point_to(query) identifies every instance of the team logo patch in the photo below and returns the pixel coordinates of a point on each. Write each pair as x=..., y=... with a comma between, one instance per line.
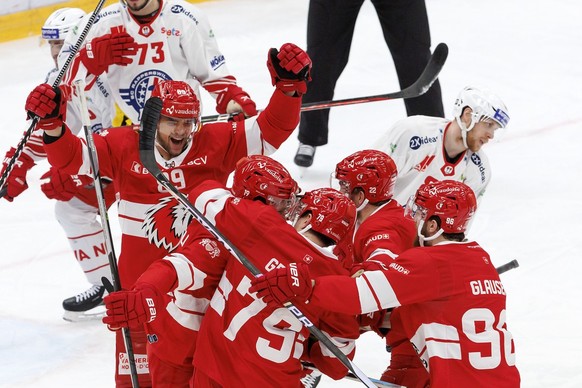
x=165, y=224
x=140, y=88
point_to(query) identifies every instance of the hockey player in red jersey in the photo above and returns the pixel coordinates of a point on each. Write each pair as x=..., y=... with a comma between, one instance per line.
x=186, y=151
x=191, y=274
x=382, y=233
x=451, y=301
x=242, y=341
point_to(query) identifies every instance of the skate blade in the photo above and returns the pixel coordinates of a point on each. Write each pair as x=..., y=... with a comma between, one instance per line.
x=95, y=314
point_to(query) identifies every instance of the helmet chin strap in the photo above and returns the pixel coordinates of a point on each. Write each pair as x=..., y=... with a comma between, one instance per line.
x=362, y=205
x=422, y=238
x=464, y=129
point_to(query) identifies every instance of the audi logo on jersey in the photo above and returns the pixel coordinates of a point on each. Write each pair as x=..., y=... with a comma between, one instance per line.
x=165, y=224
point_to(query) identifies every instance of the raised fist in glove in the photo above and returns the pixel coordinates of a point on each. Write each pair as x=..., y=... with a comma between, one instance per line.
x=290, y=68
x=115, y=48
x=62, y=186
x=132, y=308
x=49, y=104
x=16, y=181
x=235, y=100
x=283, y=284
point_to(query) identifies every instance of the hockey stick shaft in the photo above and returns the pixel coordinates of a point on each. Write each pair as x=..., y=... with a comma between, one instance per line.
x=108, y=237
x=149, y=122
x=56, y=83
x=418, y=88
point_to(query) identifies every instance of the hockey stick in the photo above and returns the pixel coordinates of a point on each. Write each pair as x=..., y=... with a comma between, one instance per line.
x=56, y=83
x=147, y=135
x=507, y=266
x=93, y=159
x=418, y=88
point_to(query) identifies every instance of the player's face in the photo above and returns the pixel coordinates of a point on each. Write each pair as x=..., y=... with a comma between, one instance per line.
x=56, y=46
x=481, y=133
x=173, y=135
x=137, y=5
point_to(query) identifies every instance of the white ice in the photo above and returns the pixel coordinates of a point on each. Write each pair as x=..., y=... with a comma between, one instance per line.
x=529, y=51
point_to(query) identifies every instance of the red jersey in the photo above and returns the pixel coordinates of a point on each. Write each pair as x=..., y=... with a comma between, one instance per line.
x=257, y=344
x=190, y=276
x=149, y=228
x=384, y=234
x=452, y=307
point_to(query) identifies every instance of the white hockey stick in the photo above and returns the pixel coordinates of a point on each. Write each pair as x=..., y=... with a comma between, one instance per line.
x=147, y=137
x=94, y=160
x=35, y=119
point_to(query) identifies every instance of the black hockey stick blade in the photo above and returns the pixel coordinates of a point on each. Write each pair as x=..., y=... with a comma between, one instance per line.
x=418, y=88
x=147, y=134
x=507, y=266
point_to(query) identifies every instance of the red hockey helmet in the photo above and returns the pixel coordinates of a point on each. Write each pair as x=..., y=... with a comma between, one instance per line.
x=371, y=170
x=333, y=214
x=178, y=99
x=258, y=176
x=454, y=203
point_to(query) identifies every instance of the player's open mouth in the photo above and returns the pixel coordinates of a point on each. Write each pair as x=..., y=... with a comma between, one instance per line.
x=176, y=141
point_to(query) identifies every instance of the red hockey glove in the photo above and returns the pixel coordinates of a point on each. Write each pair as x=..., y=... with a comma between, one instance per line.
x=283, y=284
x=377, y=321
x=132, y=308
x=290, y=68
x=62, y=186
x=242, y=102
x=16, y=182
x=115, y=48
x=49, y=104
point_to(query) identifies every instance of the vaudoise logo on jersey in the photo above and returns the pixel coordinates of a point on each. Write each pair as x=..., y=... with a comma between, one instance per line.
x=140, y=88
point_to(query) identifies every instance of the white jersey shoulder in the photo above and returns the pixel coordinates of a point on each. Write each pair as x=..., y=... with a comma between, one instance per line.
x=178, y=44
x=416, y=145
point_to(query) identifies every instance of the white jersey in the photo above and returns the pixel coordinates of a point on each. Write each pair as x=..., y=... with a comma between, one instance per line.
x=99, y=103
x=416, y=145
x=177, y=44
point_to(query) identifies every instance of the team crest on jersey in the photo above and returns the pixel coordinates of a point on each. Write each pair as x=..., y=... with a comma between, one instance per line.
x=140, y=88
x=448, y=170
x=165, y=224
x=146, y=30
x=211, y=247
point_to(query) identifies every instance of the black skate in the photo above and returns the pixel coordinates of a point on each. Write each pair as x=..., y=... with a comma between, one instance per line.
x=304, y=156
x=88, y=305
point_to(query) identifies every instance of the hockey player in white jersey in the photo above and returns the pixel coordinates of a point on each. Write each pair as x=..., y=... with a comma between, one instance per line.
x=139, y=43
x=76, y=207
x=427, y=149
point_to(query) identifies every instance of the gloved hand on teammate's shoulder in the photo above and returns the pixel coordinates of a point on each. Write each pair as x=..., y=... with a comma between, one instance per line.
x=62, y=186
x=15, y=183
x=115, y=48
x=235, y=100
x=49, y=104
x=283, y=284
x=132, y=308
x=290, y=69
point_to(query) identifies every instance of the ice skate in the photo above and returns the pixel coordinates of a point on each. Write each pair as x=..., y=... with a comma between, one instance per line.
x=88, y=305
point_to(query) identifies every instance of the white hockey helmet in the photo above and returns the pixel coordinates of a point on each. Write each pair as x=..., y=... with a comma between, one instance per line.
x=60, y=22
x=485, y=105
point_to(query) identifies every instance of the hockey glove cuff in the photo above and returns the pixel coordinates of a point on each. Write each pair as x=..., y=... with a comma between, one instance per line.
x=235, y=100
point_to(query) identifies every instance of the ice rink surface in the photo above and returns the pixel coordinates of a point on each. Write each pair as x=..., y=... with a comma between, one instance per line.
x=528, y=51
